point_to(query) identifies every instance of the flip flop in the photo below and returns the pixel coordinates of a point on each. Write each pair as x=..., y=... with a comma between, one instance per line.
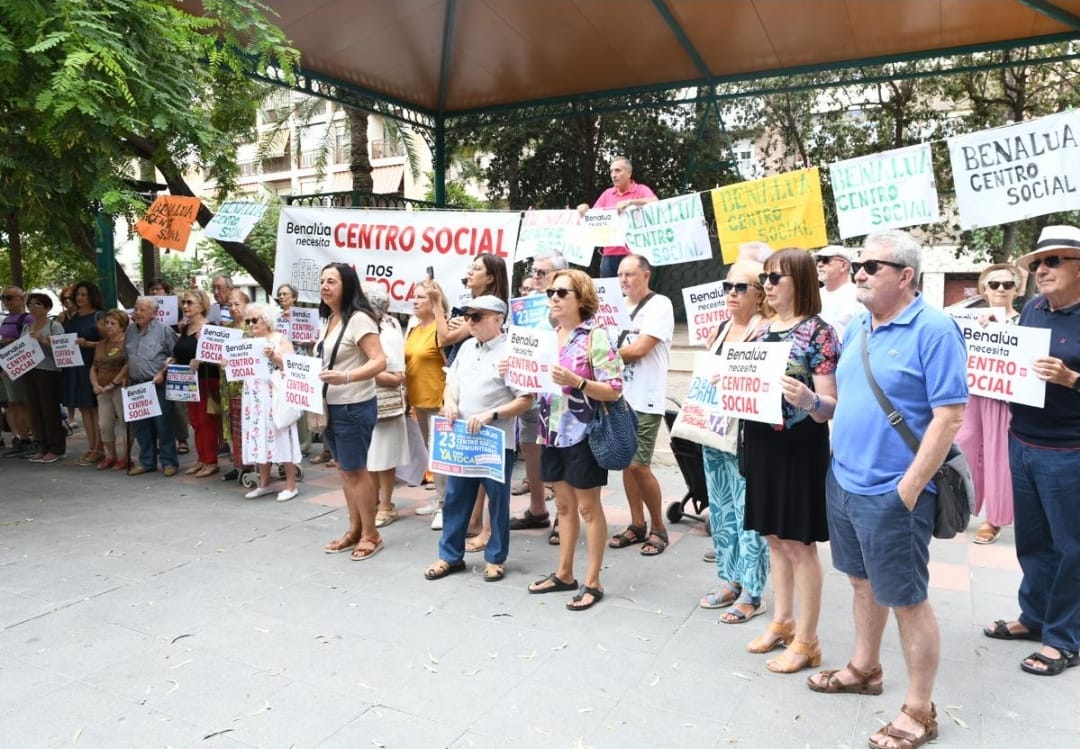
x=575, y=603
x=557, y=585
x=442, y=568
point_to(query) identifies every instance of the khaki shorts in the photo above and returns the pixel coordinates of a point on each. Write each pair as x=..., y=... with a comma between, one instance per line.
x=648, y=426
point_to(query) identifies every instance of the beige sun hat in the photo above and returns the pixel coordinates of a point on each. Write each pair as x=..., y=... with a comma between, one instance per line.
x=1054, y=240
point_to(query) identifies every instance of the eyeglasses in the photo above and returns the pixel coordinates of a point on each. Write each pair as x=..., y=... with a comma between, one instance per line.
x=772, y=278
x=1007, y=285
x=251, y=320
x=9, y=297
x=539, y=272
x=474, y=316
x=561, y=293
x=739, y=288
x=34, y=304
x=187, y=301
x=1050, y=262
x=873, y=266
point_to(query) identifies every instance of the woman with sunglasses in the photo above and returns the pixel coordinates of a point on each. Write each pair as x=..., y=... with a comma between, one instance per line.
x=352, y=356
x=204, y=414
x=742, y=556
x=984, y=435
x=785, y=465
x=589, y=370
x=44, y=384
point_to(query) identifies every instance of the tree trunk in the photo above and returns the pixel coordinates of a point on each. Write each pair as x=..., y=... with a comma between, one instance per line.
x=359, y=161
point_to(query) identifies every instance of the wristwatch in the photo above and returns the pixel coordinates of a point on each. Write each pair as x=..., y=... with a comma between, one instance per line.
x=494, y=415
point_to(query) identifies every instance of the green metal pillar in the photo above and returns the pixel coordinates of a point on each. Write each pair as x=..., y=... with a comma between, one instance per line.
x=440, y=162
x=105, y=257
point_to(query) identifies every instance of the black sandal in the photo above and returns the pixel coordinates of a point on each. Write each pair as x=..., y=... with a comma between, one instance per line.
x=553, y=537
x=1054, y=666
x=628, y=536
x=655, y=544
x=575, y=603
x=1001, y=631
x=557, y=585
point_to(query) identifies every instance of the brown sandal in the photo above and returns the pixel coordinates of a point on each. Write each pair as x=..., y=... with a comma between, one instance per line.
x=869, y=682
x=786, y=634
x=905, y=740
x=344, y=543
x=987, y=534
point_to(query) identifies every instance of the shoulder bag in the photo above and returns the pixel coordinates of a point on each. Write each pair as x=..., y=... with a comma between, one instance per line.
x=956, y=489
x=612, y=430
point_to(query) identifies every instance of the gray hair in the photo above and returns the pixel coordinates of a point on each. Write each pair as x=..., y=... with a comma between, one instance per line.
x=903, y=248
x=264, y=312
x=558, y=262
x=625, y=160
x=376, y=294
x=150, y=300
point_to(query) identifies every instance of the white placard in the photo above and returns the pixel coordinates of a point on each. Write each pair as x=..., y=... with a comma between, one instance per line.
x=530, y=356
x=669, y=231
x=1000, y=358
x=613, y=312
x=182, y=383
x=140, y=402
x=167, y=310
x=887, y=190
x=303, y=325
x=547, y=232
x=20, y=356
x=706, y=308
x=212, y=340
x=66, y=353
x=302, y=384
x=234, y=220
x=602, y=227
x=749, y=380
x=977, y=313
x=245, y=360
x=1019, y=171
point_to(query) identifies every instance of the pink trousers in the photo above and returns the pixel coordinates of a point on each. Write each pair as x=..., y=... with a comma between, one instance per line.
x=984, y=438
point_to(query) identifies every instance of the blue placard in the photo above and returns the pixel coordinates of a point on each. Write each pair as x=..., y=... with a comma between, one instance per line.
x=456, y=452
x=529, y=311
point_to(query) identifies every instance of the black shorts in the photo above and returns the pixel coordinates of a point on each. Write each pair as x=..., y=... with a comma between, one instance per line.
x=575, y=465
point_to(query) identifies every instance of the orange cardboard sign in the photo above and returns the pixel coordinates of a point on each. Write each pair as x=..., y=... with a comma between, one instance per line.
x=168, y=222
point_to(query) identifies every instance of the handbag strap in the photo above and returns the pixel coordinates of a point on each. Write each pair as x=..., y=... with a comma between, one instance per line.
x=896, y=419
x=623, y=335
x=333, y=352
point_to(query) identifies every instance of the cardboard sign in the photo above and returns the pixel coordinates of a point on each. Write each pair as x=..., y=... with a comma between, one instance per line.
x=706, y=308
x=140, y=402
x=302, y=384
x=20, y=356
x=547, y=232
x=234, y=220
x=888, y=190
x=1019, y=171
x=1000, y=358
x=749, y=381
x=613, y=312
x=245, y=360
x=66, y=353
x=168, y=310
x=670, y=231
x=168, y=222
x=529, y=311
x=784, y=211
x=303, y=325
x=530, y=355
x=456, y=452
x=212, y=340
x=601, y=227
x=182, y=383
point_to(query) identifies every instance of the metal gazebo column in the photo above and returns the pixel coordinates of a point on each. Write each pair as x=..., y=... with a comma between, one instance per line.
x=440, y=116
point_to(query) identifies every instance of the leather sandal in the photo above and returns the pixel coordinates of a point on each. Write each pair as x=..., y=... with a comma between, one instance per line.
x=655, y=544
x=785, y=632
x=987, y=534
x=798, y=655
x=442, y=568
x=207, y=471
x=630, y=535
x=869, y=682
x=903, y=739
x=1054, y=666
x=191, y=471
x=339, y=545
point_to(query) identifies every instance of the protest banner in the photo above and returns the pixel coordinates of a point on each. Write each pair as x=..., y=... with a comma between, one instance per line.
x=245, y=360
x=888, y=190
x=668, y=232
x=392, y=248
x=530, y=311
x=168, y=221
x=140, y=402
x=66, y=353
x=546, y=232
x=706, y=308
x=1000, y=358
x=785, y=211
x=168, y=310
x=531, y=354
x=612, y=312
x=212, y=340
x=302, y=384
x=601, y=227
x=182, y=383
x=749, y=381
x=456, y=452
x=234, y=220
x=20, y=356
x=977, y=313
x=1016, y=172
x=304, y=325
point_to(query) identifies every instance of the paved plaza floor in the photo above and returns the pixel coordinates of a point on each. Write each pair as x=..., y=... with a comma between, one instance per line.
x=171, y=612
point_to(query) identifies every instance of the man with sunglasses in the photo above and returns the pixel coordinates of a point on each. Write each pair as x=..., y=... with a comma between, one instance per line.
x=17, y=413
x=880, y=501
x=838, y=302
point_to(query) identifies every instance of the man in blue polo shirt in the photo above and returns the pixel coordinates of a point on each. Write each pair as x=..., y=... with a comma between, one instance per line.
x=881, y=503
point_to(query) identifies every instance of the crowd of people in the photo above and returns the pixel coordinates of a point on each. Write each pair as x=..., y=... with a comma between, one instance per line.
x=834, y=469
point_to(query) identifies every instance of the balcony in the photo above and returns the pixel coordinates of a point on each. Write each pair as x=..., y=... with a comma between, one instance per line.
x=387, y=149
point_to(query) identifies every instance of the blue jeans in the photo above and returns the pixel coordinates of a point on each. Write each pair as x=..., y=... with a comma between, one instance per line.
x=461, y=495
x=742, y=556
x=156, y=436
x=1048, y=540
x=609, y=265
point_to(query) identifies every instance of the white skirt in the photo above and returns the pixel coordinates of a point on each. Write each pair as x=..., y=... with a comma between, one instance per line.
x=389, y=445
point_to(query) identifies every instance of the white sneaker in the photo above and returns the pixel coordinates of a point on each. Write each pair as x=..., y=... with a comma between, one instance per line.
x=286, y=494
x=430, y=509
x=436, y=521
x=258, y=491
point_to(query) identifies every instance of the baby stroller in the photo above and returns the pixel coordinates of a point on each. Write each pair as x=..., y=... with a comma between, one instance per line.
x=692, y=466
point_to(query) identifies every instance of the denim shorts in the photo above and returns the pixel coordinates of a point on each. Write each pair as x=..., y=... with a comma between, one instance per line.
x=876, y=537
x=347, y=434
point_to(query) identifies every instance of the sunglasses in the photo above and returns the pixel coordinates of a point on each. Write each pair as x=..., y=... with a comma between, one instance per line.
x=873, y=266
x=772, y=278
x=188, y=301
x=738, y=288
x=251, y=320
x=827, y=258
x=9, y=297
x=1007, y=285
x=561, y=293
x=474, y=316
x=1050, y=262
x=539, y=272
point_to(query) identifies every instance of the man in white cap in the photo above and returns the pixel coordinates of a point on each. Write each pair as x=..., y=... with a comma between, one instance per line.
x=838, y=302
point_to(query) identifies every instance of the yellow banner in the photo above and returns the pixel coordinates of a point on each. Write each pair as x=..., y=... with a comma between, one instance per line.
x=784, y=211
x=168, y=222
